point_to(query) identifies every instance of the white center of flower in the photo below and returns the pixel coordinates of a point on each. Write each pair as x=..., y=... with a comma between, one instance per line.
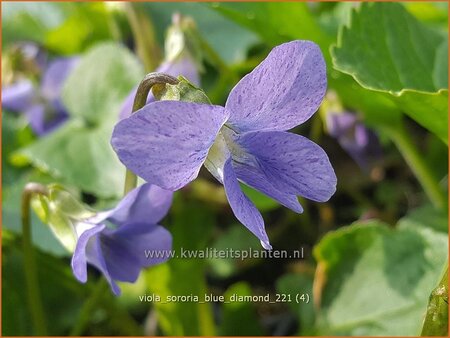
x=224, y=146
x=217, y=156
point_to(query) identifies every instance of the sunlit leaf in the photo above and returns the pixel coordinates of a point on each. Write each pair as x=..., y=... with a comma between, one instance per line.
x=386, y=49
x=93, y=95
x=374, y=280
x=88, y=161
x=96, y=88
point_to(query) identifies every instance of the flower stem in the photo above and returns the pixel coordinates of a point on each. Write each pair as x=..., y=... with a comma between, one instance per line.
x=31, y=277
x=127, y=326
x=101, y=287
x=417, y=164
x=130, y=181
x=140, y=100
x=144, y=36
x=88, y=307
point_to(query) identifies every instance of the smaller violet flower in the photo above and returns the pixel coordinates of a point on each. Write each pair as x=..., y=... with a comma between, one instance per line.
x=18, y=96
x=23, y=60
x=167, y=142
x=117, y=241
x=354, y=137
x=42, y=106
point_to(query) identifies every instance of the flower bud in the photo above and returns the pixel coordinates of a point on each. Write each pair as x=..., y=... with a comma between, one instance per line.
x=62, y=212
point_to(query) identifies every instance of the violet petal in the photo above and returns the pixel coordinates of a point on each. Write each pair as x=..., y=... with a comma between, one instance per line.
x=166, y=142
x=145, y=204
x=54, y=77
x=355, y=138
x=292, y=163
x=79, y=259
x=255, y=178
x=18, y=96
x=244, y=210
x=282, y=92
x=125, y=249
x=44, y=120
x=95, y=256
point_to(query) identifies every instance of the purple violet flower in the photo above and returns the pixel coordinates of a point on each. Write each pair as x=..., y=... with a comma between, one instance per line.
x=43, y=106
x=18, y=96
x=166, y=142
x=359, y=142
x=117, y=241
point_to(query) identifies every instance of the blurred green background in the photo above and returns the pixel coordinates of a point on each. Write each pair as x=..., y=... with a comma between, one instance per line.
x=374, y=252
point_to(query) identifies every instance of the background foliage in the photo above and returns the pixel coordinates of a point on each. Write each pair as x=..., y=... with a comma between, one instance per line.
x=375, y=251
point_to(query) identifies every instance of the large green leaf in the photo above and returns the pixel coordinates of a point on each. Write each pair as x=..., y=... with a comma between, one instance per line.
x=97, y=87
x=87, y=162
x=426, y=216
x=386, y=49
x=15, y=134
x=79, y=152
x=375, y=280
x=298, y=21
x=428, y=109
x=377, y=107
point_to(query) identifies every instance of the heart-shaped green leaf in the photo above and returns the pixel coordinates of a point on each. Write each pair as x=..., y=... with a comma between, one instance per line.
x=79, y=152
x=97, y=87
x=374, y=280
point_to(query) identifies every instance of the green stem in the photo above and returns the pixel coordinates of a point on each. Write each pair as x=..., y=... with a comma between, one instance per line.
x=127, y=326
x=436, y=318
x=316, y=129
x=32, y=282
x=130, y=181
x=85, y=313
x=215, y=58
x=227, y=76
x=144, y=36
x=140, y=100
x=114, y=26
x=422, y=171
